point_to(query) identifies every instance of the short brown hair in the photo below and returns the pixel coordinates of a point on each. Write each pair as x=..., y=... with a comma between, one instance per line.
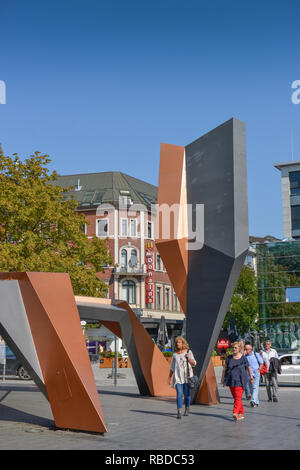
x=184, y=343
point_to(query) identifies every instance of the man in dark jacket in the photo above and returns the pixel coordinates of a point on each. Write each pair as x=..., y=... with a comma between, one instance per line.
x=271, y=378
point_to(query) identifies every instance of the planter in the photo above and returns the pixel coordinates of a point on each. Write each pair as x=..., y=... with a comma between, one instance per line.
x=218, y=361
x=125, y=364
x=108, y=362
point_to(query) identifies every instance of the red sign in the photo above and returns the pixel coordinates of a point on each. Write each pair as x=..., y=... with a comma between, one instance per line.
x=149, y=277
x=223, y=345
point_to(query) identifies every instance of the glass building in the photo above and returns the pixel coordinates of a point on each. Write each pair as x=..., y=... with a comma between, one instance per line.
x=278, y=275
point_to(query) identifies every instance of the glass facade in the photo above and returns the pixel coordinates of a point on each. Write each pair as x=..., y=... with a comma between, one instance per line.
x=278, y=272
x=295, y=214
x=294, y=182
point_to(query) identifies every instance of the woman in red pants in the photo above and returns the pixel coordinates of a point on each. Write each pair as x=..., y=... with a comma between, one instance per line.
x=235, y=376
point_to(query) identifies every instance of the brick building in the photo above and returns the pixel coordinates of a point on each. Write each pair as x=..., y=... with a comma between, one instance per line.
x=118, y=207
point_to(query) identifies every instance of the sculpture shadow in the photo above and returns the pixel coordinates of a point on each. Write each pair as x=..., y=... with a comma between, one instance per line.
x=121, y=394
x=7, y=413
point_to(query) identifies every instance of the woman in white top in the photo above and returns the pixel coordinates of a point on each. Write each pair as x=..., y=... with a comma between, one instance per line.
x=181, y=368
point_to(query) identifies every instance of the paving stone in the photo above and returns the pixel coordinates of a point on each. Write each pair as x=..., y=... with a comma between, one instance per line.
x=136, y=422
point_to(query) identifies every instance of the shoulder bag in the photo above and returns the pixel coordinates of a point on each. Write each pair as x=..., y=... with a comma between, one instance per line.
x=192, y=381
x=264, y=369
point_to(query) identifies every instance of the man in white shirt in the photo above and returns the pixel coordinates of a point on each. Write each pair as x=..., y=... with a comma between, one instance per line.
x=271, y=381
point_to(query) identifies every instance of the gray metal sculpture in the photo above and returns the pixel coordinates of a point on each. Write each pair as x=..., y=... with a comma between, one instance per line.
x=204, y=255
x=216, y=178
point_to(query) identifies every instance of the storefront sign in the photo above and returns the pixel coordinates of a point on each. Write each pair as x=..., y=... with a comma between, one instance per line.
x=149, y=277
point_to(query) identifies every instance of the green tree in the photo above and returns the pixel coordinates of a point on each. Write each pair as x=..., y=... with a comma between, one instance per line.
x=39, y=231
x=244, y=303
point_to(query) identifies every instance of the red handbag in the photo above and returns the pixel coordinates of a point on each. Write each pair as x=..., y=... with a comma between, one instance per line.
x=264, y=369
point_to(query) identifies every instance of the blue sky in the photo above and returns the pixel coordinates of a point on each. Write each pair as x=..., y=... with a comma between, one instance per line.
x=98, y=85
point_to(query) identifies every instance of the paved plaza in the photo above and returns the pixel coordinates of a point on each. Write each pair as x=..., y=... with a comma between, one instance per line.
x=136, y=422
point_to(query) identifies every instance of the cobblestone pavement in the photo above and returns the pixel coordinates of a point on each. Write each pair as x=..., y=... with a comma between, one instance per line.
x=136, y=422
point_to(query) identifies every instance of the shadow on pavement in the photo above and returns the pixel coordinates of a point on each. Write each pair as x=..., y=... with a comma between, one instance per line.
x=170, y=415
x=11, y=414
x=122, y=394
x=174, y=415
x=16, y=388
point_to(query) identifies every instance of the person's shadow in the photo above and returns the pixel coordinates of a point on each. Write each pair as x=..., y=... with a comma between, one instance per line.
x=174, y=415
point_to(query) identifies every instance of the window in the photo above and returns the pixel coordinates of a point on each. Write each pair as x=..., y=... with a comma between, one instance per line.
x=87, y=198
x=296, y=360
x=106, y=292
x=175, y=302
x=249, y=260
x=295, y=212
x=129, y=292
x=149, y=230
x=294, y=182
x=124, y=258
x=133, y=259
x=124, y=199
x=124, y=224
x=146, y=198
x=292, y=294
x=167, y=299
x=102, y=227
x=133, y=227
x=286, y=361
x=98, y=197
x=158, y=298
x=158, y=263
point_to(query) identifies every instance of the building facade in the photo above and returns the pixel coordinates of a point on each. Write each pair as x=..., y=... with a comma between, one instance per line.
x=278, y=269
x=278, y=276
x=290, y=190
x=117, y=207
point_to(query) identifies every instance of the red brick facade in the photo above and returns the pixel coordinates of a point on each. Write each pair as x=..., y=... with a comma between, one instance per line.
x=134, y=246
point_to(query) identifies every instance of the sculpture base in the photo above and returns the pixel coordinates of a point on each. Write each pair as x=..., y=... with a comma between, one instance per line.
x=208, y=393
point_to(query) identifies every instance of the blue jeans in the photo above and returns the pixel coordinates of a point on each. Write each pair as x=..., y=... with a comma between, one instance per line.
x=255, y=389
x=248, y=389
x=183, y=389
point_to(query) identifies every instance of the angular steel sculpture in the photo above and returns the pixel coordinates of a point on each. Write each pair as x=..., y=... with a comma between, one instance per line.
x=39, y=321
x=150, y=367
x=207, y=180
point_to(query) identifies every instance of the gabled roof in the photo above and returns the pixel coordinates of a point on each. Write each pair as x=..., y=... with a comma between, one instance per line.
x=92, y=189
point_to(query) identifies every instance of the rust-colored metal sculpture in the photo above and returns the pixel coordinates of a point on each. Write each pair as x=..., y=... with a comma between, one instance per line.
x=150, y=367
x=204, y=242
x=39, y=321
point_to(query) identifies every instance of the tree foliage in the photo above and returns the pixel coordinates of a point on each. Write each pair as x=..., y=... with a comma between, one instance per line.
x=244, y=303
x=39, y=231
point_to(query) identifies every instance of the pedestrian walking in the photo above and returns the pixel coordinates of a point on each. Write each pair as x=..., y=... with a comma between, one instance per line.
x=255, y=362
x=235, y=377
x=248, y=384
x=181, y=369
x=271, y=378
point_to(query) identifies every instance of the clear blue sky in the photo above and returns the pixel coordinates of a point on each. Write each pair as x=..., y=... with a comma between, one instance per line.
x=98, y=85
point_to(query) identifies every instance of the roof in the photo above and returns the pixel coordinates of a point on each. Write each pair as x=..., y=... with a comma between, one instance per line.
x=279, y=166
x=267, y=238
x=92, y=189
